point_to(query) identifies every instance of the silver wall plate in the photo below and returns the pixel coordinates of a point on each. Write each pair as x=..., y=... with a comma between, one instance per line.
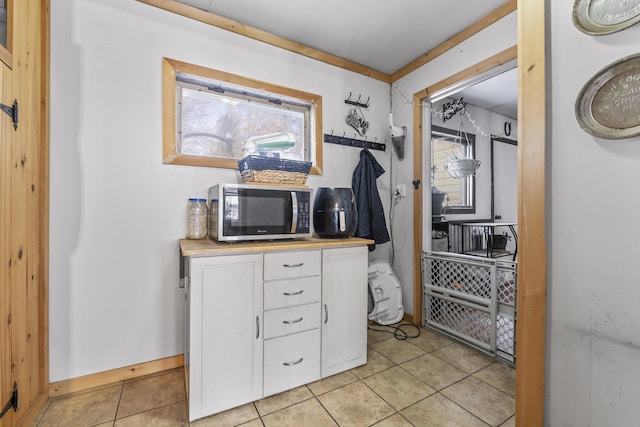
x=608, y=106
x=598, y=17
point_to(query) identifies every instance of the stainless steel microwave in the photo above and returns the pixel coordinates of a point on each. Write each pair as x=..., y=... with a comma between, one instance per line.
x=257, y=212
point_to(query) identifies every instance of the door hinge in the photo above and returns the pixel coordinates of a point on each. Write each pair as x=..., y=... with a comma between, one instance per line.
x=13, y=401
x=12, y=112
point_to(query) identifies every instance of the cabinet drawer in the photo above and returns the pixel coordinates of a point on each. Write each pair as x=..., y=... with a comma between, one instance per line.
x=289, y=293
x=288, y=265
x=291, y=361
x=286, y=321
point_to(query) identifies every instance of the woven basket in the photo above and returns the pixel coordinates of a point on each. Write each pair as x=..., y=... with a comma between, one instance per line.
x=272, y=170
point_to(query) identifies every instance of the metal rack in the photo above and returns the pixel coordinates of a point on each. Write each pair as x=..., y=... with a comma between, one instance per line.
x=479, y=239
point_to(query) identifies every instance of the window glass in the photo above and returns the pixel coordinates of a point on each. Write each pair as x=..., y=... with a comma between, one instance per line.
x=229, y=124
x=447, y=144
x=214, y=118
x=3, y=23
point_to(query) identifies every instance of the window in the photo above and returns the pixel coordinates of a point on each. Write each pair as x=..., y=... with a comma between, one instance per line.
x=3, y=23
x=5, y=31
x=460, y=192
x=213, y=118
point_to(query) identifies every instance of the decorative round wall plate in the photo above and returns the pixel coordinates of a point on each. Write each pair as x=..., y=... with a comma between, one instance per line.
x=598, y=17
x=608, y=105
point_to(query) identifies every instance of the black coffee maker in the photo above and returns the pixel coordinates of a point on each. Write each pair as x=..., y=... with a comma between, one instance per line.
x=334, y=212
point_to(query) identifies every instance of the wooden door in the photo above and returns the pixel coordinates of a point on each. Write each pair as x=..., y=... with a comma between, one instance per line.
x=24, y=210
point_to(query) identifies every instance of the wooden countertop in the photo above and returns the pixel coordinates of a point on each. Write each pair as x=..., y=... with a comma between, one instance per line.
x=212, y=247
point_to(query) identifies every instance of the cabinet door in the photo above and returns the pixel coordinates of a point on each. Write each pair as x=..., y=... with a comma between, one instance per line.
x=344, y=309
x=225, y=333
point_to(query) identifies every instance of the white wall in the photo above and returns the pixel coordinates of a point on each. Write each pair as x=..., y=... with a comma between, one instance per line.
x=117, y=211
x=593, y=340
x=494, y=39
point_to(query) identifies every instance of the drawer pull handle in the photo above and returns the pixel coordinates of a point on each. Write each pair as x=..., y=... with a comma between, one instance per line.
x=293, y=293
x=293, y=363
x=257, y=327
x=293, y=265
x=288, y=322
x=326, y=314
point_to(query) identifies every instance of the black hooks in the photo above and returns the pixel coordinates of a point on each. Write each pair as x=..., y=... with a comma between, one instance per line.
x=354, y=142
x=507, y=128
x=357, y=101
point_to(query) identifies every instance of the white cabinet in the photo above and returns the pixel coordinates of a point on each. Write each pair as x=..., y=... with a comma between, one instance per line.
x=225, y=337
x=262, y=323
x=344, y=299
x=291, y=319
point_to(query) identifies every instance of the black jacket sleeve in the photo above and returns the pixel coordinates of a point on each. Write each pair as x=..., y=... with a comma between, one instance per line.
x=371, y=221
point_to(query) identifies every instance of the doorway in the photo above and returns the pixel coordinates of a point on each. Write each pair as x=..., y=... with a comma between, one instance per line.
x=469, y=262
x=531, y=300
x=422, y=162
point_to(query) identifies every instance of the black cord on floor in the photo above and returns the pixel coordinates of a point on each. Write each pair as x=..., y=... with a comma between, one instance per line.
x=397, y=330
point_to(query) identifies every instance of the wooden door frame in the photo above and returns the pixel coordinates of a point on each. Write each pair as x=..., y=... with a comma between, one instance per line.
x=531, y=270
x=25, y=210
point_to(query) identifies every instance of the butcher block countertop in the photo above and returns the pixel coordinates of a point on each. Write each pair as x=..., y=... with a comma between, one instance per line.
x=203, y=247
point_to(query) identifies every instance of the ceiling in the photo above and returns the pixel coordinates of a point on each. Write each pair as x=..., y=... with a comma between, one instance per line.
x=384, y=35
x=498, y=94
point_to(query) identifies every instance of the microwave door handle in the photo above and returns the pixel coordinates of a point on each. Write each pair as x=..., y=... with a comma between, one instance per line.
x=294, y=212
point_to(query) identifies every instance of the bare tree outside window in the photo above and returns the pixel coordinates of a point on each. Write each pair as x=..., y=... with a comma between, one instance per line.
x=214, y=116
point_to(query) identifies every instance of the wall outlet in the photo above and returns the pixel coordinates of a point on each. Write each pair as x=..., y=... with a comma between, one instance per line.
x=401, y=190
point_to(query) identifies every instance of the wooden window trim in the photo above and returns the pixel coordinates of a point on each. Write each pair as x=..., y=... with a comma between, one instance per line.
x=170, y=69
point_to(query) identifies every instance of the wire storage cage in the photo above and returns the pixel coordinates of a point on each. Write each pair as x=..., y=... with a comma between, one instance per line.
x=471, y=299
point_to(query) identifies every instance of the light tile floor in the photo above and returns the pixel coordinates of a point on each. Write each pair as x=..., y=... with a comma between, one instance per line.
x=425, y=381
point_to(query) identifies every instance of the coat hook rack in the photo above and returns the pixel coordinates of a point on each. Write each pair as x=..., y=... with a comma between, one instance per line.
x=353, y=142
x=357, y=101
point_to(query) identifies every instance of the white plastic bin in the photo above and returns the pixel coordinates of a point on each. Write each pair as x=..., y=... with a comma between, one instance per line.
x=385, y=294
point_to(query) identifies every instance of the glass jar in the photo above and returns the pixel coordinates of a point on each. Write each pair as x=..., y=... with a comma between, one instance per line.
x=196, y=219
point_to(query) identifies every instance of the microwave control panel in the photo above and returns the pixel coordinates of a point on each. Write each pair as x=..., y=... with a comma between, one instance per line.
x=304, y=212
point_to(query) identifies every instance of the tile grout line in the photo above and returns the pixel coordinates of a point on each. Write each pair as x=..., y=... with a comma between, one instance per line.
x=356, y=378
x=467, y=410
x=326, y=410
x=467, y=375
x=420, y=400
x=115, y=416
x=257, y=412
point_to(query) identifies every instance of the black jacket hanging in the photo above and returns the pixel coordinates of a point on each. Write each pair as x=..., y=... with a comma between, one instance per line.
x=371, y=221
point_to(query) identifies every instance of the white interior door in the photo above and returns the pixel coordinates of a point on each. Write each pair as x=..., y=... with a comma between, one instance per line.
x=505, y=181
